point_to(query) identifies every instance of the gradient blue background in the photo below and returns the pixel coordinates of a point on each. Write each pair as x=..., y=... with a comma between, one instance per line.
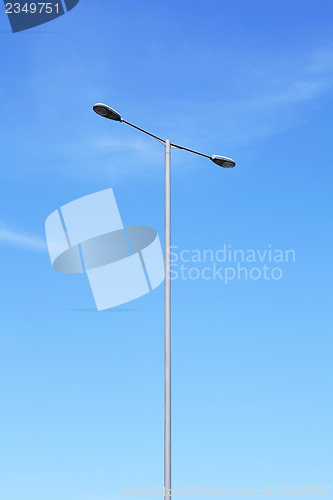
x=81, y=391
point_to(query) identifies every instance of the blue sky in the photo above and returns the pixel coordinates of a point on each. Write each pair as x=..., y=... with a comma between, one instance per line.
x=81, y=391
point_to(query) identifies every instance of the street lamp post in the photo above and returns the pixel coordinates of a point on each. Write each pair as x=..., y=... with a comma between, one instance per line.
x=222, y=161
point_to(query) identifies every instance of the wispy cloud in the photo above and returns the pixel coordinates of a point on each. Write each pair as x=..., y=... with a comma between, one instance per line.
x=146, y=149
x=321, y=61
x=111, y=143
x=10, y=237
x=278, y=97
x=296, y=92
x=273, y=94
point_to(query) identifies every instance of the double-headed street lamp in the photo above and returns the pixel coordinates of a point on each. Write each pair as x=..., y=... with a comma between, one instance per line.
x=222, y=161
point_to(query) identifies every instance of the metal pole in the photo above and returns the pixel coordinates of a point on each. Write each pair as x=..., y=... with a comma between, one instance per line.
x=167, y=328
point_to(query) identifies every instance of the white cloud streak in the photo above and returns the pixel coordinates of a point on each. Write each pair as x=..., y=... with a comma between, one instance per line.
x=297, y=92
x=10, y=237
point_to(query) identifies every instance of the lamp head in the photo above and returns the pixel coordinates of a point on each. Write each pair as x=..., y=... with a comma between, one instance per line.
x=107, y=112
x=223, y=161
